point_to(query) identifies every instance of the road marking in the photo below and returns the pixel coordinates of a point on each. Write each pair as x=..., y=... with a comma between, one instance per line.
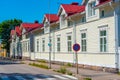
x=60, y=77
x=71, y=77
x=5, y=78
x=20, y=78
x=33, y=77
x=50, y=79
x=47, y=77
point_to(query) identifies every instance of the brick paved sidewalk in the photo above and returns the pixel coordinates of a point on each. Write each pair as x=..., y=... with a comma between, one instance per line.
x=94, y=75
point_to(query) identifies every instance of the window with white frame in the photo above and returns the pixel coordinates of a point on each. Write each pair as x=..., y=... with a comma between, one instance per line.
x=43, y=45
x=58, y=44
x=37, y=43
x=63, y=19
x=28, y=45
x=50, y=44
x=23, y=46
x=46, y=27
x=70, y=23
x=83, y=19
x=91, y=10
x=103, y=40
x=83, y=42
x=69, y=43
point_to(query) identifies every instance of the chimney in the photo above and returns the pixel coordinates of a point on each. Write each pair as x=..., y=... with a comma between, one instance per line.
x=36, y=21
x=74, y=3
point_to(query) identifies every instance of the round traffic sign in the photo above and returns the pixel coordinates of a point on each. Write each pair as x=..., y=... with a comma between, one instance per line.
x=49, y=44
x=76, y=47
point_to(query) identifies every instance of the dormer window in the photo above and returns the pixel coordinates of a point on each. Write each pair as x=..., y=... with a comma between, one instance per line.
x=102, y=14
x=63, y=19
x=83, y=19
x=70, y=23
x=46, y=24
x=46, y=27
x=91, y=10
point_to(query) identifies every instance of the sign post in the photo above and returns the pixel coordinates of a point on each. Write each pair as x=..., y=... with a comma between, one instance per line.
x=76, y=47
x=49, y=44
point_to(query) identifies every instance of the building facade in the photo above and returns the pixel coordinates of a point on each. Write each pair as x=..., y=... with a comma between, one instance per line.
x=94, y=25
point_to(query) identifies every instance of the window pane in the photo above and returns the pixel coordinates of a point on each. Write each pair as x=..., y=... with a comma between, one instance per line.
x=101, y=41
x=105, y=41
x=69, y=37
x=69, y=43
x=104, y=48
x=104, y=33
x=101, y=48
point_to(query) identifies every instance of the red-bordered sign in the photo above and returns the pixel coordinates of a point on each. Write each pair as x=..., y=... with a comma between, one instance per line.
x=76, y=47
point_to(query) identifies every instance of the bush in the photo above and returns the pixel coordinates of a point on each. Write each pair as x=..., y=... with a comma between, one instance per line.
x=69, y=64
x=39, y=65
x=42, y=61
x=69, y=73
x=63, y=70
x=87, y=79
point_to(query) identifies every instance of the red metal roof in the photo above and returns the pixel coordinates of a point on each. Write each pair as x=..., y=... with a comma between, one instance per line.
x=101, y=2
x=18, y=31
x=53, y=17
x=72, y=9
x=12, y=32
x=31, y=26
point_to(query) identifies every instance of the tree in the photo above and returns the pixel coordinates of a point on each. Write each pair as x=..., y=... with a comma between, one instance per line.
x=5, y=28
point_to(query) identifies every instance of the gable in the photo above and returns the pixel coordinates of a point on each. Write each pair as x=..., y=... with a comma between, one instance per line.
x=61, y=11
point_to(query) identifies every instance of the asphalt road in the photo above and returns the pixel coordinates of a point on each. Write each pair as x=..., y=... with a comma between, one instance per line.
x=13, y=70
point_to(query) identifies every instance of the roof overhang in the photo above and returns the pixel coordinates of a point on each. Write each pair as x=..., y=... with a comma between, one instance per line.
x=103, y=5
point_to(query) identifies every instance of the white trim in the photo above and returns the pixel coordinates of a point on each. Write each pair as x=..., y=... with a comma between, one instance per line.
x=102, y=29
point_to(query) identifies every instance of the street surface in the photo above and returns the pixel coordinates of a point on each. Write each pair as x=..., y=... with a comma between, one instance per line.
x=13, y=70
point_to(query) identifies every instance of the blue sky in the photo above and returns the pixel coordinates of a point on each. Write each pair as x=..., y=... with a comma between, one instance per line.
x=29, y=10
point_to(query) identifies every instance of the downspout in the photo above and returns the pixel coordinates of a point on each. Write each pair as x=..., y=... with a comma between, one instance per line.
x=74, y=38
x=116, y=37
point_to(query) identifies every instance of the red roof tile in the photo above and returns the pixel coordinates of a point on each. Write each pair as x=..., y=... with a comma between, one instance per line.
x=18, y=31
x=72, y=9
x=12, y=32
x=53, y=17
x=103, y=2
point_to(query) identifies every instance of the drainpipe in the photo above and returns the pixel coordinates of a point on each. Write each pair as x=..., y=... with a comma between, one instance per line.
x=74, y=38
x=116, y=37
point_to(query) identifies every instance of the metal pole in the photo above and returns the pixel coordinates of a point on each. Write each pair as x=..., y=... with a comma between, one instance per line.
x=49, y=38
x=76, y=63
x=75, y=53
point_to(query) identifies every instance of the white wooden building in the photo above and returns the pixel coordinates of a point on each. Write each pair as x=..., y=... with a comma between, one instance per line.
x=94, y=25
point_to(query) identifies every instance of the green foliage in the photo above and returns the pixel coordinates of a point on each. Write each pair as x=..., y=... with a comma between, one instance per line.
x=42, y=61
x=39, y=65
x=5, y=28
x=62, y=70
x=69, y=64
x=87, y=79
x=69, y=73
